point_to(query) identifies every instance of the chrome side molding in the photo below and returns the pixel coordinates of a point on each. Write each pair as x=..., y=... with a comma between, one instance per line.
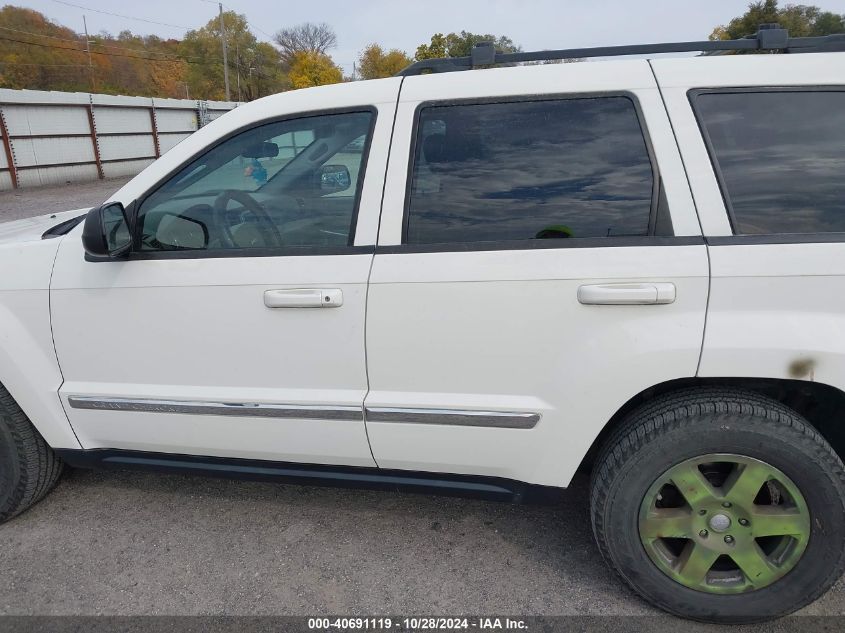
x=452, y=417
x=456, y=417
x=236, y=409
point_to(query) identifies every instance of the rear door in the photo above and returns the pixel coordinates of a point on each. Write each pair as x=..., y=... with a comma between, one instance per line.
x=763, y=137
x=539, y=263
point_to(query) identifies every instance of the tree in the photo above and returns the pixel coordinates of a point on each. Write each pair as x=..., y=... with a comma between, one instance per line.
x=375, y=63
x=801, y=20
x=305, y=38
x=460, y=45
x=39, y=54
x=253, y=64
x=310, y=68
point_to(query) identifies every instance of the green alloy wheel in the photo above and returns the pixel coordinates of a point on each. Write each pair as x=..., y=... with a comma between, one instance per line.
x=724, y=523
x=720, y=504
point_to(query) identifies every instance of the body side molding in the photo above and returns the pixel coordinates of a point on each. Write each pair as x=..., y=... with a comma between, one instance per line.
x=237, y=409
x=456, y=417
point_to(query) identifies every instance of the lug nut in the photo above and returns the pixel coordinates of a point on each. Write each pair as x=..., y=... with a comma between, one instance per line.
x=726, y=504
x=743, y=522
x=729, y=539
x=703, y=534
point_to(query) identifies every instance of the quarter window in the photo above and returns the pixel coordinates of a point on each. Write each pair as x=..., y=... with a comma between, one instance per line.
x=292, y=183
x=781, y=156
x=530, y=170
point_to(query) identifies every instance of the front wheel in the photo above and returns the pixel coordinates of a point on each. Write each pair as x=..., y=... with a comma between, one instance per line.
x=28, y=467
x=721, y=505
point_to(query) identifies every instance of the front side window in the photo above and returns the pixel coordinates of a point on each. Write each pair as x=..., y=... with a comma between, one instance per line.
x=781, y=155
x=530, y=170
x=291, y=183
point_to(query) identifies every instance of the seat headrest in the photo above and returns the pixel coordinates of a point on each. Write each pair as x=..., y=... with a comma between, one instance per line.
x=434, y=148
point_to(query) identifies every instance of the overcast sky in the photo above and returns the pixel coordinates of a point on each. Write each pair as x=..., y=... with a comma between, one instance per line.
x=534, y=24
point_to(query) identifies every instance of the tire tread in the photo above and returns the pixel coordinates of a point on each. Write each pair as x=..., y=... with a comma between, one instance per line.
x=39, y=467
x=672, y=412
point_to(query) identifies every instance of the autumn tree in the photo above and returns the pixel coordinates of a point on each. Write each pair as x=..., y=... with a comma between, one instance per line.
x=310, y=68
x=54, y=59
x=305, y=38
x=460, y=45
x=801, y=20
x=374, y=62
x=39, y=54
x=252, y=64
x=141, y=65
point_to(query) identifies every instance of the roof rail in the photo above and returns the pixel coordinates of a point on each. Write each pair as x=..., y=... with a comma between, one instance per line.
x=769, y=37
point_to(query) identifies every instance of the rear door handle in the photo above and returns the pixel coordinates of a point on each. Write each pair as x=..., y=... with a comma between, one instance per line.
x=649, y=293
x=304, y=298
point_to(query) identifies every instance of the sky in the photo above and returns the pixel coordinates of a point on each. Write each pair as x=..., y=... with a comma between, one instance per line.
x=533, y=24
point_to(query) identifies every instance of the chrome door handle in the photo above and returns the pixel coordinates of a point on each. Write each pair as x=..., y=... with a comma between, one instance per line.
x=304, y=298
x=649, y=293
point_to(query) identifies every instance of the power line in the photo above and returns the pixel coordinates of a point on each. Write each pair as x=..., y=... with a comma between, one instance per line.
x=49, y=65
x=77, y=50
x=52, y=37
x=120, y=15
x=95, y=42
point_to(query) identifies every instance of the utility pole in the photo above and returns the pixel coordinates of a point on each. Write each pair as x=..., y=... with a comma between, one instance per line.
x=88, y=50
x=225, y=52
x=238, y=68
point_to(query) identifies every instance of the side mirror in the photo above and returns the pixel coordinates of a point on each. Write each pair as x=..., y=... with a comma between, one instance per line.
x=333, y=178
x=106, y=232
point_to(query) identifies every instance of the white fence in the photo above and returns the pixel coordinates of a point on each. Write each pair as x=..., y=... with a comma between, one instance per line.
x=58, y=137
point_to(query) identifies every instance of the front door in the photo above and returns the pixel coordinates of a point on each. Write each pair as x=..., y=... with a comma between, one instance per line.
x=538, y=266
x=236, y=327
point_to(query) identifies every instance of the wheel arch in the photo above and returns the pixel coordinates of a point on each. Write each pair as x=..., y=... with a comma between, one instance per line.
x=821, y=404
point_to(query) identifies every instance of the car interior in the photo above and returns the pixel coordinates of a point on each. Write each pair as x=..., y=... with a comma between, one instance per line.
x=263, y=188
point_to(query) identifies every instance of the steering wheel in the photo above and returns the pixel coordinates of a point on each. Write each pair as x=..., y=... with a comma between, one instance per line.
x=269, y=231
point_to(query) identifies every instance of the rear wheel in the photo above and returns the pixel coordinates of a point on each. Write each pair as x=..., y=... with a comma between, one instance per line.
x=28, y=467
x=721, y=505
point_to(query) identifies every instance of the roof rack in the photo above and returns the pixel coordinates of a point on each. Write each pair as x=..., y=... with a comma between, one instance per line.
x=769, y=37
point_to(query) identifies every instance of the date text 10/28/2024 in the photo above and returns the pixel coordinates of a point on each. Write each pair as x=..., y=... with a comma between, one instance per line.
x=416, y=624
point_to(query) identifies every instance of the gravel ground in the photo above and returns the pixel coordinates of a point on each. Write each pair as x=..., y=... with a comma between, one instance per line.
x=125, y=543
x=25, y=203
x=131, y=543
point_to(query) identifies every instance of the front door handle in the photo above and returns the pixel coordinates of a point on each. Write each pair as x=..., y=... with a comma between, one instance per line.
x=649, y=293
x=304, y=298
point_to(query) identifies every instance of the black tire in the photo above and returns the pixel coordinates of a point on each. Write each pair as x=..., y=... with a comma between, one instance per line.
x=28, y=467
x=696, y=422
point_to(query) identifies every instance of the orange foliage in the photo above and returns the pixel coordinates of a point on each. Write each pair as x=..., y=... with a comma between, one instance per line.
x=38, y=54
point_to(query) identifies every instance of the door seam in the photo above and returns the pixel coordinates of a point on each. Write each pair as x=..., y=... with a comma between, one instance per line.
x=697, y=217
x=370, y=274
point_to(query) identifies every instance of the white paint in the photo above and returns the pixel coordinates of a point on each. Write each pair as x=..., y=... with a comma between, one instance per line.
x=479, y=331
x=776, y=310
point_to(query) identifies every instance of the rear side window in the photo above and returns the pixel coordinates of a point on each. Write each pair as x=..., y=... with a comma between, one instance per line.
x=781, y=158
x=529, y=170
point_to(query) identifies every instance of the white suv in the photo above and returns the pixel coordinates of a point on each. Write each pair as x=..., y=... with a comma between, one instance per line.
x=477, y=281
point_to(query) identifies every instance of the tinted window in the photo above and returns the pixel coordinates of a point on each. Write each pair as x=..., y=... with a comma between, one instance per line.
x=782, y=158
x=530, y=170
x=286, y=184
